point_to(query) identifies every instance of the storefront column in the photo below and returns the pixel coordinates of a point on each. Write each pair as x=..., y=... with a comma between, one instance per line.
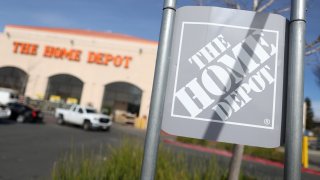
x=92, y=94
x=36, y=86
x=145, y=103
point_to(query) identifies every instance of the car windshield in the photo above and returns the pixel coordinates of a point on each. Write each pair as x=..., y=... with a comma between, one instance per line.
x=91, y=111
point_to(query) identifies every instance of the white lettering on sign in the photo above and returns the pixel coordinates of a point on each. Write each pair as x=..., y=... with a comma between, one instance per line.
x=196, y=100
x=208, y=53
x=231, y=65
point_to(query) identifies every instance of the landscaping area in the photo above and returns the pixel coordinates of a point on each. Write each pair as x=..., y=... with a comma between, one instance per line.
x=124, y=162
x=266, y=153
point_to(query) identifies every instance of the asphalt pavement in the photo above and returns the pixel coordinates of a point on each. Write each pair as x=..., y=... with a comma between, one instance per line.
x=29, y=151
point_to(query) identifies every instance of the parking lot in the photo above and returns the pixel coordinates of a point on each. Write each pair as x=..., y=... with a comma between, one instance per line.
x=28, y=151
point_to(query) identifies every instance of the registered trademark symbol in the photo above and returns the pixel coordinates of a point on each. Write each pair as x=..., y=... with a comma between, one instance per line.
x=267, y=121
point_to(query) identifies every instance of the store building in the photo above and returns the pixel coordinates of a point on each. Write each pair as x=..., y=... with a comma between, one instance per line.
x=105, y=70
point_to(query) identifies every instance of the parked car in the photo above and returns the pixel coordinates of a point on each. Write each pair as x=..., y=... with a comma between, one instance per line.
x=5, y=111
x=24, y=113
x=87, y=117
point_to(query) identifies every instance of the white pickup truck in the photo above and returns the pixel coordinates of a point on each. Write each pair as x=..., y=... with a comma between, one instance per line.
x=87, y=117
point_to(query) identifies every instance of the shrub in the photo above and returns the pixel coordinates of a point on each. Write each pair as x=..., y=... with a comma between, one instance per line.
x=200, y=142
x=224, y=146
x=271, y=154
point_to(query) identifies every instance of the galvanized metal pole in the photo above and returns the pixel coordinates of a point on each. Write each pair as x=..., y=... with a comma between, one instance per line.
x=292, y=170
x=235, y=162
x=158, y=91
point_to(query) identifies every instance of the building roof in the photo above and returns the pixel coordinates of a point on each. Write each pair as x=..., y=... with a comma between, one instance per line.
x=88, y=33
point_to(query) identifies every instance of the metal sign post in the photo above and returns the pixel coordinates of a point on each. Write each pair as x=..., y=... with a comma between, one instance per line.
x=158, y=91
x=293, y=140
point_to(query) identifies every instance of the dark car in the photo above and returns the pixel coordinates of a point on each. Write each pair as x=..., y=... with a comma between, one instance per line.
x=24, y=113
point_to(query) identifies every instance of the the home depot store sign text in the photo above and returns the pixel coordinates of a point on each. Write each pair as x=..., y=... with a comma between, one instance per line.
x=72, y=54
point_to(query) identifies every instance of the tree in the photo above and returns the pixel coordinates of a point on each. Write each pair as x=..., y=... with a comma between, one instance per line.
x=313, y=47
x=316, y=72
x=274, y=6
x=309, y=114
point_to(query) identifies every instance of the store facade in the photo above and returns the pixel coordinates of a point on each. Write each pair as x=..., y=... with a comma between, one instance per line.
x=105, y=70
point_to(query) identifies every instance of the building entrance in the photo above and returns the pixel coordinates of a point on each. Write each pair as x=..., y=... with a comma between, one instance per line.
x=64, y=88
x=121, y=96
x=13, y=78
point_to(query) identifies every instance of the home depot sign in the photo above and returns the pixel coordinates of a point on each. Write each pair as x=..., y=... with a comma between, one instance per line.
x=74, y=55
x=226, y=76
x=230, y=69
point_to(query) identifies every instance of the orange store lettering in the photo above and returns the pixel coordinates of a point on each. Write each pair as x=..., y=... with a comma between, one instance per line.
x=25, y=48
x=62, y=53
x=105, y=58
x=72, y=54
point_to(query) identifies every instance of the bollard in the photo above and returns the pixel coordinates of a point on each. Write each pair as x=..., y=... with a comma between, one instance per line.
x=305, y=152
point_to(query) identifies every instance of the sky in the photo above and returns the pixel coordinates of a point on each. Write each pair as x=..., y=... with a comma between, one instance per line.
x=140, y=18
